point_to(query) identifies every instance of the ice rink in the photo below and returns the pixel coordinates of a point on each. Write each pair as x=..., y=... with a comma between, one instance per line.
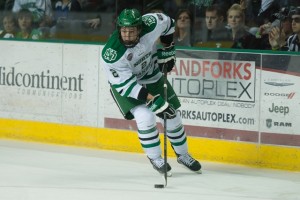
x=32, y=171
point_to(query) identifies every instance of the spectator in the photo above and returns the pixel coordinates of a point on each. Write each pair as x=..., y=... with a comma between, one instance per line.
x=259, y=12
x=216, y=30
x=201, y=5
x=94, y=23
x=70, y=22
x=27, y=31
x=285, y=29
x=171, y=7
x=63, y=8
x=9, y=5
x=2, y=5
x=9, y=26
x=240, y=36
x=40, y=9
x=276, y=38
x=183, y=28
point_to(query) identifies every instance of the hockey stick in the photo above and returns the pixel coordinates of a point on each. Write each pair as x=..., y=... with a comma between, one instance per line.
x=165, y=132
x=165, y=124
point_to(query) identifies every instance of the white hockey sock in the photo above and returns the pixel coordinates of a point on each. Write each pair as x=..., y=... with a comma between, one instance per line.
x=147, y=131
x=176, y=135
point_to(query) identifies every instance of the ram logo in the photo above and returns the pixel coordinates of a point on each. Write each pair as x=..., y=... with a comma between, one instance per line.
x=269, y=123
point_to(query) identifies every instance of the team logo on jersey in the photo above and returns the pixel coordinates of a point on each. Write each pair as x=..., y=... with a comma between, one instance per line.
x=110, y=54
x=148, y=20
x=129, y=57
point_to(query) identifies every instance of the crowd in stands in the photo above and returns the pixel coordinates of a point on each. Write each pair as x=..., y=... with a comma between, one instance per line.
x=263, y=25
x=46, y=19
x=241, y=24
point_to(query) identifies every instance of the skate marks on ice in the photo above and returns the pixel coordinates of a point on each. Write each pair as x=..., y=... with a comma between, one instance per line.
x=32, y=171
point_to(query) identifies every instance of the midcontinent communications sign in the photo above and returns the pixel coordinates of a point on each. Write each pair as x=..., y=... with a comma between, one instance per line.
x=41, y=80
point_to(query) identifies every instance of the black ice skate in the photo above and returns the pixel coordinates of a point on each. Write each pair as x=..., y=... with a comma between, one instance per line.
x=189, y=162
x=159, y=165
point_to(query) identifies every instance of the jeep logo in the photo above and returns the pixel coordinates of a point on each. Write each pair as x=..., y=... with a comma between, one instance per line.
x=279, y=109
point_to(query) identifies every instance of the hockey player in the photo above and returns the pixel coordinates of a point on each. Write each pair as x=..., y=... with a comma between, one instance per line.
x=133, y=65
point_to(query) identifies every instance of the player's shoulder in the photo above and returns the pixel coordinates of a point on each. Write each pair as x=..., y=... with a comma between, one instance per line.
x=150, y=21
x=113, y=49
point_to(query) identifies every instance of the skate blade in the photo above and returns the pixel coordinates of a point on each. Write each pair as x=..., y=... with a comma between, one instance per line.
x=197, y=172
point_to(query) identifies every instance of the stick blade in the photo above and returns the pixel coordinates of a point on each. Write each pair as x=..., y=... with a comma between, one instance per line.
x=162, y=185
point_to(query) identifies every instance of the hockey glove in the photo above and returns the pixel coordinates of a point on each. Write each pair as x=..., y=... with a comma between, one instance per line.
x=159, y=106
x=166, y=56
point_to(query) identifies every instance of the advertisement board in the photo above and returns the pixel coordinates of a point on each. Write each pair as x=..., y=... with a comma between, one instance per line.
x=49, y=82
x=216, y=93
x=224, y=95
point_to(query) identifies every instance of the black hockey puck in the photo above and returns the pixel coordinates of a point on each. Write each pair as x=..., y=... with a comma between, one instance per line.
x=159, y=186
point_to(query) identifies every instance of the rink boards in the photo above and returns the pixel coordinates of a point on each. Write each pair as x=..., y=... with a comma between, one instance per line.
x=234, y=110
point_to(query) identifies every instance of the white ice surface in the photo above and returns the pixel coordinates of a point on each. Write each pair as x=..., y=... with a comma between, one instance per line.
x=31, y=171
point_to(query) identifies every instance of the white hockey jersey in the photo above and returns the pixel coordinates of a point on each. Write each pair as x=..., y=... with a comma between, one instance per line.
x=128, y=68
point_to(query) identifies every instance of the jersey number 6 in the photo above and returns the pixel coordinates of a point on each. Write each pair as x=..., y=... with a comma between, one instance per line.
x=114, y=73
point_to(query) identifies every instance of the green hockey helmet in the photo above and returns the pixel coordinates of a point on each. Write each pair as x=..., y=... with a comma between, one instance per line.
x=130, y=18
